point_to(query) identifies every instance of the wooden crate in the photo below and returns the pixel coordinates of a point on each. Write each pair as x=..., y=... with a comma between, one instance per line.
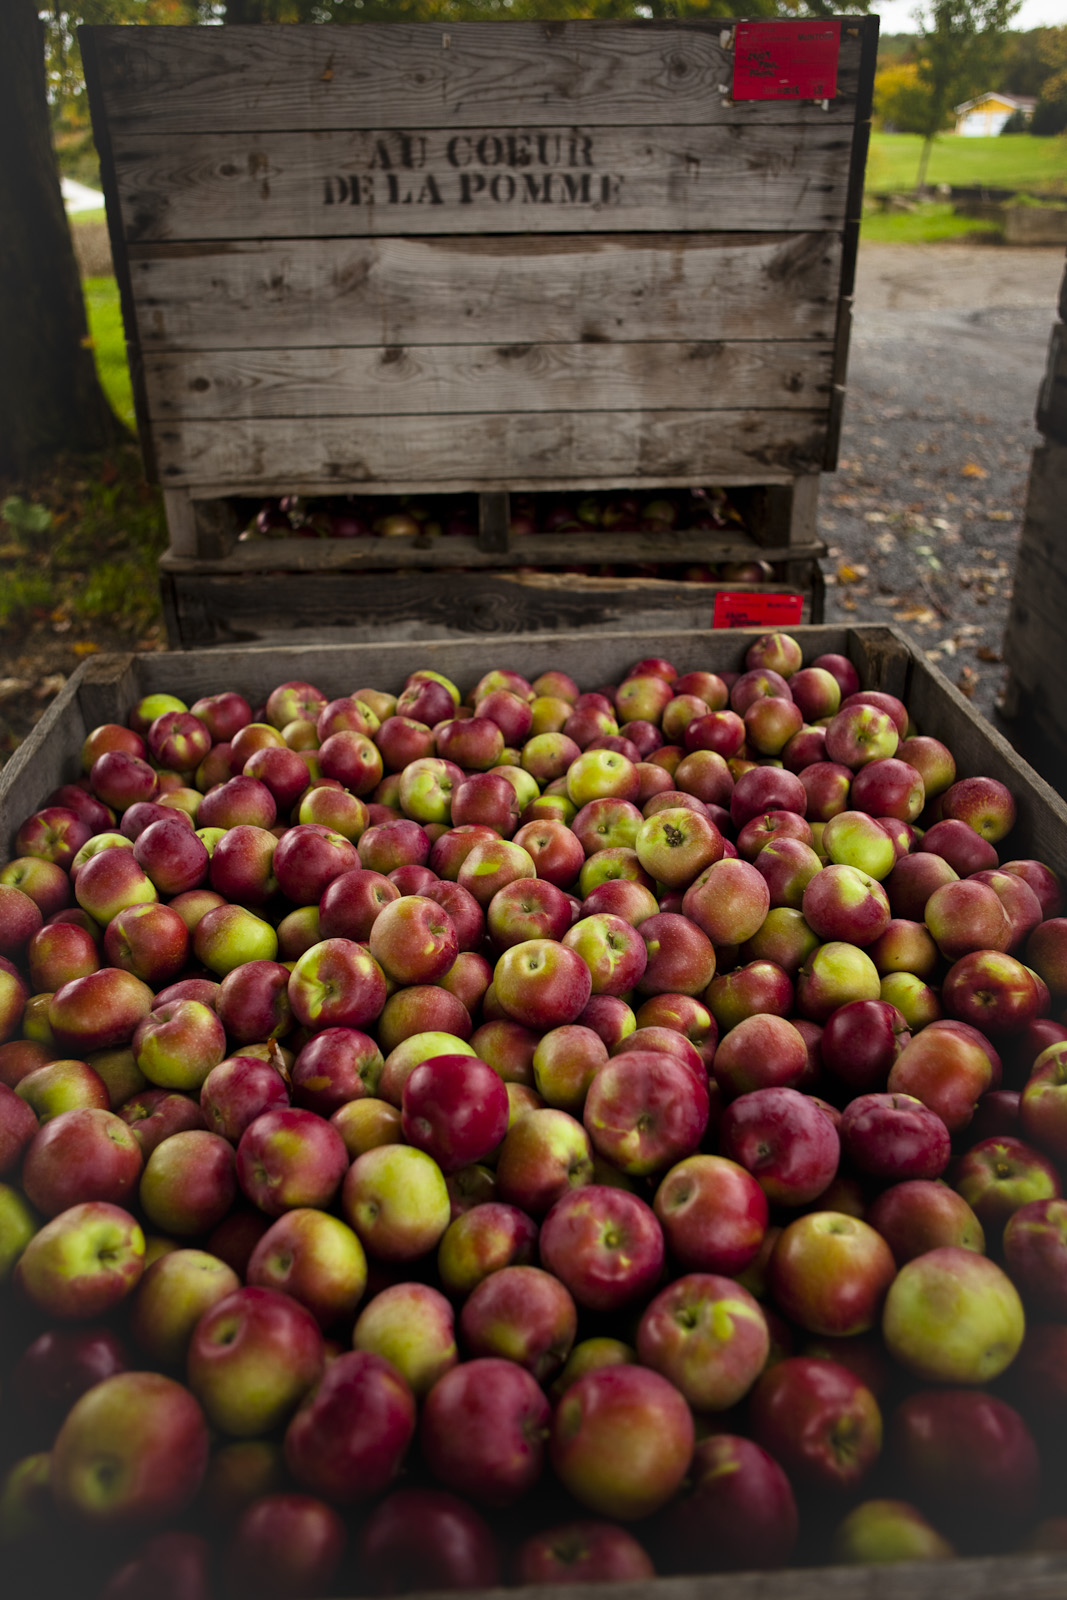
x=104, y=689
x=1035, y=700
x=490, y=257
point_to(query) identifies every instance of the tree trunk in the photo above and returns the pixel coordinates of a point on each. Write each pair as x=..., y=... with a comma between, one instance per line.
x=50, y=397
x=924, y=160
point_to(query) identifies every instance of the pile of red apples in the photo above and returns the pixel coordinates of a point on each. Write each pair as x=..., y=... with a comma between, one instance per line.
x=531, y=1137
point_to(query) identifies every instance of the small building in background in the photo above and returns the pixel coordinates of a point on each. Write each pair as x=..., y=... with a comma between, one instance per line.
x=986, y=115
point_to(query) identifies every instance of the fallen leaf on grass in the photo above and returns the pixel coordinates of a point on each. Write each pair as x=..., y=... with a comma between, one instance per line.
x=851, y=572
x=1001, y=516
x=986, y=652
x=971, y=469
x=85, y=647
x=967, y=682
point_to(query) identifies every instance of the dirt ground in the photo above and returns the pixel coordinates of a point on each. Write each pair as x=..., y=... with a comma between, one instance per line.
x=922, y=517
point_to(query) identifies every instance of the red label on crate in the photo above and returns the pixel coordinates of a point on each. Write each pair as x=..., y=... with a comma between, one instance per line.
x=786, y=60
x=736, y=610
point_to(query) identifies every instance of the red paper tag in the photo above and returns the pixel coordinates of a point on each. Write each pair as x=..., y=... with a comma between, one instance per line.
x=786, y=60
x=734, y=609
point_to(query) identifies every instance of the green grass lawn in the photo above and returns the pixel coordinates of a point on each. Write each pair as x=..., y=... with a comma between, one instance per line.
x=109, y=343
x=1015, y=161
x=929, y=224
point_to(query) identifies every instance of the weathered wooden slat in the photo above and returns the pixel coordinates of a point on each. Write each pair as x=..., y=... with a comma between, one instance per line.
x=539, y=550
x=265, y=606
x=448, y=291
x=406, y=380
x=255, y=184
x=424, y=75
x=1052, y=399
x=494, y=450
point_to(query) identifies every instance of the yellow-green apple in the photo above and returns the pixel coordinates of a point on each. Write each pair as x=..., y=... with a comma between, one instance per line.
x=996, y=1176
x=543, y=1154
x=985, y=804
x=1043, y=1106
x=18, y=1224
x=483, y=1429
x=484, y=1240
x=188, y=1184
x=226, y=936
x=589, y=1355
x=784, y=1140
x=527, y=908
x=880, y=1531
x=843, y=902
x=85, y=1154
x=834, y=974
x=178, y=1045
x=860, y=733
x=784, y=940
x=604, y=1244
x=83, y=1262
x=565, y=1062
x=676, y=844
x=757, y=988
x=364, y=1124
x=621, y=1441
x=611, y=947
x=395, y=1198
x=829, y=1273
x=174, y=1293
x=953, y=1316
x=252, y=1358
x=131, y=1453
x=412, y=1326
x=47, y=884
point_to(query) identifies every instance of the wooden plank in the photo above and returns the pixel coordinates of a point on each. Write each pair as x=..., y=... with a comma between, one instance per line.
x=1042, y=546
x=382, y=292
x=1052, y=399
x=414, y=380
x=494, y=513
x=422, y=75
x=254, y=184
x=493, y=450
x=537, y=550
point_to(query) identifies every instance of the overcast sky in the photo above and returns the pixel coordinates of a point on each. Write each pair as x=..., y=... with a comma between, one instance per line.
x=898, y=15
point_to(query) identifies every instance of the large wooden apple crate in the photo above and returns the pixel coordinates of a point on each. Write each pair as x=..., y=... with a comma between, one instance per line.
x=104, y=689
x=1035, y=700
x=492, y=258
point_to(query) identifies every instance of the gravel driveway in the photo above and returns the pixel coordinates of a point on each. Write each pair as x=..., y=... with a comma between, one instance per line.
x=922, y=517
